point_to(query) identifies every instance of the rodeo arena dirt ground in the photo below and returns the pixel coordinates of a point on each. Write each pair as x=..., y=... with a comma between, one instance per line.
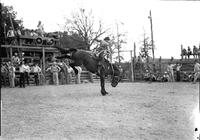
x=132, y=111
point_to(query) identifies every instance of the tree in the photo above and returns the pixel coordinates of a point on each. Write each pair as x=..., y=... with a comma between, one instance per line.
x=119, y=40
x=145, y=48
x=71, y=41
x=83, y=25
x=8, y=14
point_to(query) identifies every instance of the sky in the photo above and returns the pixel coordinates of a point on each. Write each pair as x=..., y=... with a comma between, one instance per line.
x=174, y=22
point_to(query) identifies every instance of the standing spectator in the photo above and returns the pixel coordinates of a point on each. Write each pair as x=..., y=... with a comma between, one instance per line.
x=61, y=74
x=27, y=73
x=22, y=75
x=11, y=75
x=170, y=72
x=4, y=73
x=189, y=52
x=40, y=27
x=196, y=71
x=78, y=76
x=36, y=71
x=178, y=68
x=54, y=68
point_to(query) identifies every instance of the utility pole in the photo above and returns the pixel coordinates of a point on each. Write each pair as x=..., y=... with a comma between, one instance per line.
x=152, y=41
x=118, y=45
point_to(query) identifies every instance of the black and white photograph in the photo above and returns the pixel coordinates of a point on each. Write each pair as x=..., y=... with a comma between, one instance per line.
x=100, y=69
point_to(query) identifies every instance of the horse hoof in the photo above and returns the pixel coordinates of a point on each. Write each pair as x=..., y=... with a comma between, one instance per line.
x=104, y=93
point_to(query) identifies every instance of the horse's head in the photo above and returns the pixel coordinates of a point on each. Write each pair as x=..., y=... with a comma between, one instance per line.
x=115, y=76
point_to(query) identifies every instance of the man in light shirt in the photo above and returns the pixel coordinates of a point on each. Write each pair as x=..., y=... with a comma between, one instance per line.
x=11, y=70
x=27, y=72
x=54, y=70
x=22, y=75
x=196, y=71
x=170, y=72
x=36, y=71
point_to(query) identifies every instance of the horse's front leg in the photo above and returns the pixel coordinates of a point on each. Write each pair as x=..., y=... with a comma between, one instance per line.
x=102, y=78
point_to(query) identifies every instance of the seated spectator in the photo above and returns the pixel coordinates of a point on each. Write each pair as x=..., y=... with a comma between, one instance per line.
x=165, y=77
x=15, y=59
x=184, y=53
x=195, y=51
x=189, y=52
x=198, y=52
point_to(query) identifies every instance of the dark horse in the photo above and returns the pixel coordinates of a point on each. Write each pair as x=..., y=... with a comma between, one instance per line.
x=90, y=62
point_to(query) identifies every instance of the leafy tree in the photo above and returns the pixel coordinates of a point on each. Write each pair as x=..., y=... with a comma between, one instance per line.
x=72, y=41
x=145, y=48
x=82, y=24
x=7, y=13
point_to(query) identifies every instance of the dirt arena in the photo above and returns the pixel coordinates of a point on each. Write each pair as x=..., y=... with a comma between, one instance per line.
x=133, y=111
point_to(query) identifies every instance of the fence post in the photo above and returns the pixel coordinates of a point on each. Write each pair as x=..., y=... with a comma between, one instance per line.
x=132, y=74
x=181, y=51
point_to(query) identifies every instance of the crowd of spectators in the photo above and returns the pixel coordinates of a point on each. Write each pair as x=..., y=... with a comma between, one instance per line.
x=188, y=52
x=173, y=73
x=60, y=73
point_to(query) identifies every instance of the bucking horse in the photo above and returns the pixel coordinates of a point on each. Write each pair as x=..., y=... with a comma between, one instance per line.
x=90, y=61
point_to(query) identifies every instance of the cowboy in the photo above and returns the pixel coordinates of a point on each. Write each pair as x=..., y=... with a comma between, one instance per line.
x=103, y=50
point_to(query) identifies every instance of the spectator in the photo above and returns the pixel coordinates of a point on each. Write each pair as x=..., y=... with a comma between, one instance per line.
x=170, y=72
x=36, y=71
x=189, y=52
x=27, y=73
x=11, y=36
x=178, y=68
x=184, y=52
x=54, y=68
x=196, y=71
x=40, y=27
x=15, y=59
x=198, y=52
x=11, y=75
x=22, y=74
x=165, y=77
x=4, y=74
x=78, y=76
x=195, y=52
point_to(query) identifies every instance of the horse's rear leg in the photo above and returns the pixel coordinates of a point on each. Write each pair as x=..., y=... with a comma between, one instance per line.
x=102, y=78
